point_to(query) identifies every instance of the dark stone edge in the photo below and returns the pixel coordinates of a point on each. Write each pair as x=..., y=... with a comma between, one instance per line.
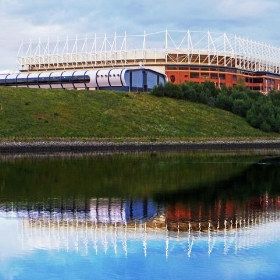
x=110, y=147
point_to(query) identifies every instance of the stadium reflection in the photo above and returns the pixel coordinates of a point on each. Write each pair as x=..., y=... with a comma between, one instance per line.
x=239, y=211
x=134, y=212
x=111, y=224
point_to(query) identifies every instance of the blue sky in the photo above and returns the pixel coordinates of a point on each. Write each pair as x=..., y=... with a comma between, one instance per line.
x=48, y=253
x=31, y=19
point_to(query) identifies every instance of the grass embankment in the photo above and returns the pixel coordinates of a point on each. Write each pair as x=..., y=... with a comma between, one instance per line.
x=36, y=113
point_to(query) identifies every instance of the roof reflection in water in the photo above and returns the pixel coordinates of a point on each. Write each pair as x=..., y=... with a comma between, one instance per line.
x=110, y=224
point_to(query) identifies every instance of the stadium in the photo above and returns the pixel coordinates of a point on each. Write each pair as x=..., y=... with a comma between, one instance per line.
x=180, y=55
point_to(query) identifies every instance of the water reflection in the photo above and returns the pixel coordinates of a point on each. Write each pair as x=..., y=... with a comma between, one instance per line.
x=77, y=235
x=175, y=217
x=198, y=192
x=177, y=208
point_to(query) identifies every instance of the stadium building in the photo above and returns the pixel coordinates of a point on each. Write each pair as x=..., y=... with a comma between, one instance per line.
x=180, y=55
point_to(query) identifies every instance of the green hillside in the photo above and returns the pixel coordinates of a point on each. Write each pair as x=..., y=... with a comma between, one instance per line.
x=37, y=113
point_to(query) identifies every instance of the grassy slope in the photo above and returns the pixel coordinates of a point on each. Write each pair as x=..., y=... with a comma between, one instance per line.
x=59, y=113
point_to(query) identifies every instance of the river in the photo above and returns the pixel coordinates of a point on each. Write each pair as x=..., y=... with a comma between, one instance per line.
x=187, y=215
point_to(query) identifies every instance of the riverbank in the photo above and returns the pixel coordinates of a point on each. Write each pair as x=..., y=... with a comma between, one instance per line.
x=13, y=147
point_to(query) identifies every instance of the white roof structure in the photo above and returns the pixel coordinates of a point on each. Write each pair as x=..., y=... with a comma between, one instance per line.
x=75, y=231
x=150, y=49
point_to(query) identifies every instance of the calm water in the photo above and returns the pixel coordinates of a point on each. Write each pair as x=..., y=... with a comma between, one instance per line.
x=140, y=216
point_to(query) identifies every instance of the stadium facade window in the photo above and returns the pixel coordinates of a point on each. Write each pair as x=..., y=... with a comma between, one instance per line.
x=194, y=75
x=81, y=79
x=257, y=80
x=10, y=82
x=33, y=80
x=21, y=81
x=2, y=81
x=194, y=68
x=204, y=68
x=255, y=88
x=205, y=75
x=65, y=79
x=43, y=80
x=214, y=76
x=172, y=78
x=231, y=70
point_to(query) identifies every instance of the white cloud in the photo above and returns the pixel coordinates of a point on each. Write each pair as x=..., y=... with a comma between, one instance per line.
x=247, y=9
x=19, y=19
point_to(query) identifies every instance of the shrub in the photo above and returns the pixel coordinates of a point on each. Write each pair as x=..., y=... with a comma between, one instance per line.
x=259, y=110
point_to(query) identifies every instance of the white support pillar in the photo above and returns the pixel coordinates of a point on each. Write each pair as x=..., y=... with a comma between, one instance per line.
x=166, y=45
x=144, y=46
x=95, y=47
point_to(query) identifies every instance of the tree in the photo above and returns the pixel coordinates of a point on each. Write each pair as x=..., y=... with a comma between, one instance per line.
x=224, y=101
x=173, y=90
x=239, y=107
x=158, y=90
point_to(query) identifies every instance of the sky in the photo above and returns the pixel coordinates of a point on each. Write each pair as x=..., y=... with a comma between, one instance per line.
x=33, y=252
x=33, y=19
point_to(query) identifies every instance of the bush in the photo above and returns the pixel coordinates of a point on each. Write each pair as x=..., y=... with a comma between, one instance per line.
x=224, y=102
x=239, y=107
x=260, y=111
x=265, y=127
x=173, y=90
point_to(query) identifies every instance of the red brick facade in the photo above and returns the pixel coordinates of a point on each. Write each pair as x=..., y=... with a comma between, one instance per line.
x=259, y=81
